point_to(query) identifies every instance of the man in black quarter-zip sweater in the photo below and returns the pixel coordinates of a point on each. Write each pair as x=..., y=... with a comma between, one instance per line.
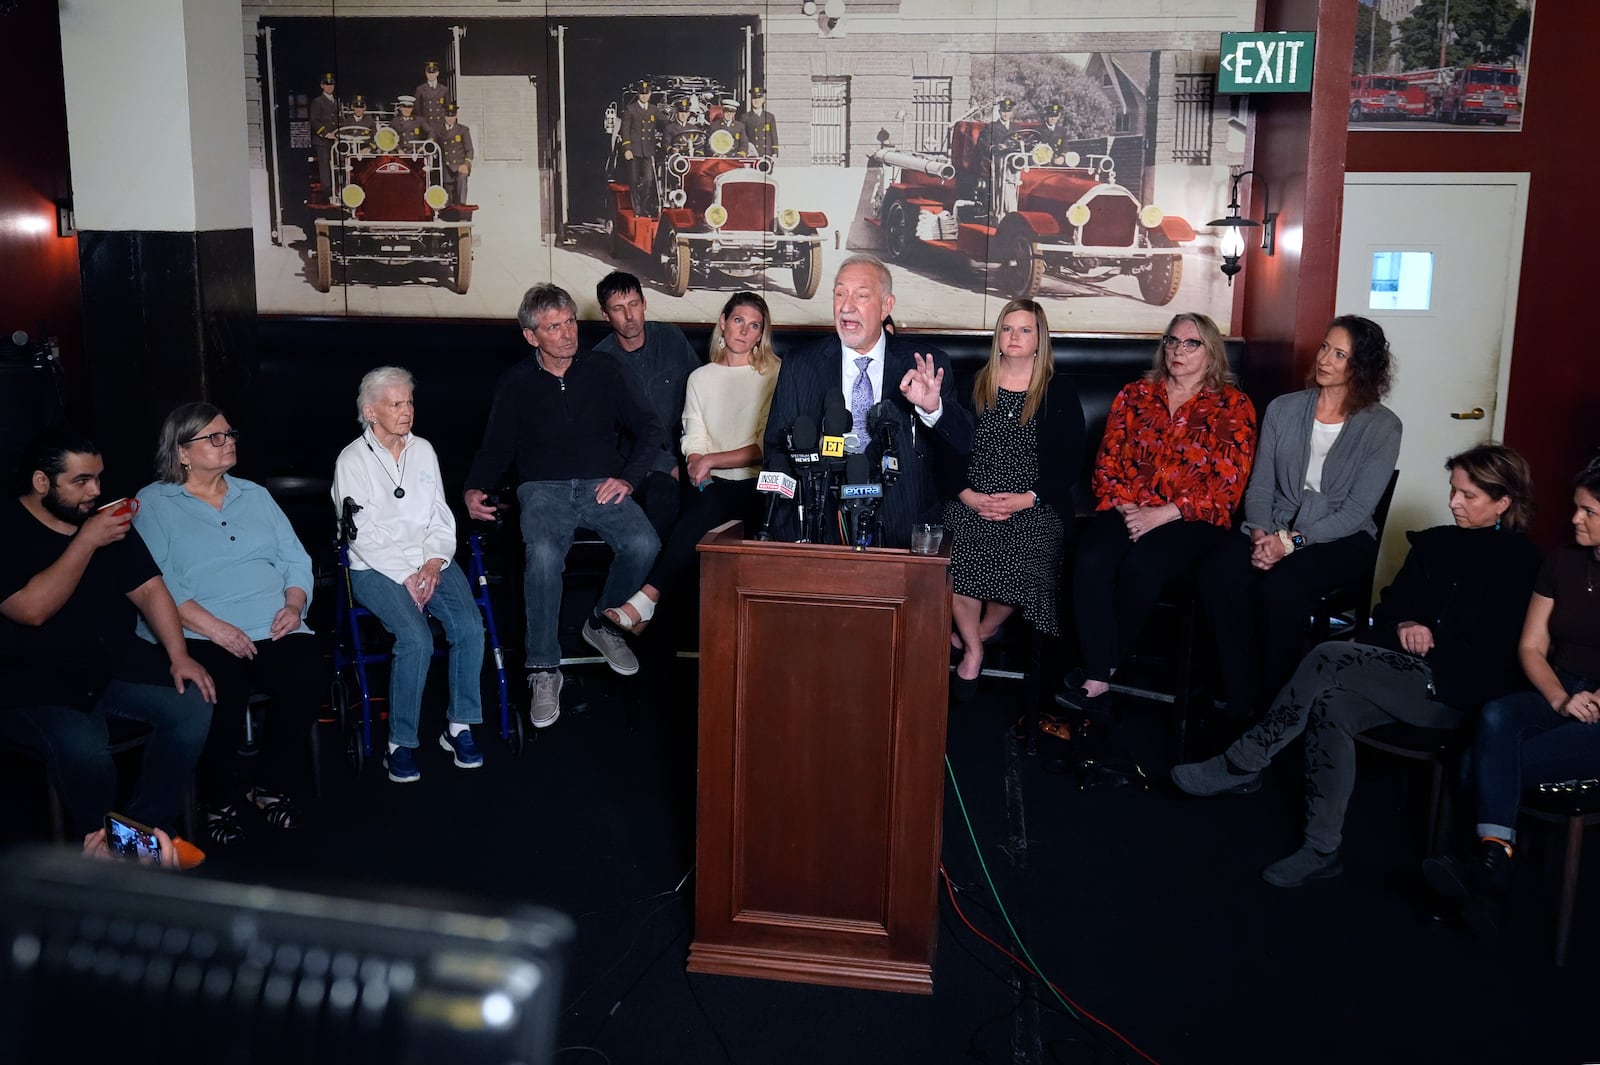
x=558, y=416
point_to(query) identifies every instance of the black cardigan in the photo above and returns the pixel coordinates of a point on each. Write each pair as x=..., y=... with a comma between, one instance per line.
x=1471, y=588
x=1061, y=442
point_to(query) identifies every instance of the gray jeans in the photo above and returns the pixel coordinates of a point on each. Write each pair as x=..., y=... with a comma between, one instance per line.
x=1339, y=691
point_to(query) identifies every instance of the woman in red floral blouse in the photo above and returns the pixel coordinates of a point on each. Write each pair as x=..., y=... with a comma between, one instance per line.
x=1173, y=464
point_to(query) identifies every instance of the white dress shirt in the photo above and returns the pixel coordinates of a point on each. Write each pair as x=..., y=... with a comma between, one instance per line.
x=848, y=373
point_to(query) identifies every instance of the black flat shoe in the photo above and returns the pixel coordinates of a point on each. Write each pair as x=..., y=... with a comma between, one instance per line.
x=1075, y=698
x=962, y=690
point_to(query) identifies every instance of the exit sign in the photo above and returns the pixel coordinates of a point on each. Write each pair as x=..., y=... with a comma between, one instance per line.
x=1266, y=62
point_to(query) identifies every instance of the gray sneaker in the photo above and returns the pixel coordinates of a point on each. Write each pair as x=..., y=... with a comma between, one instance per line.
x=611, y=646
x=1214, y=777
x=544, y=692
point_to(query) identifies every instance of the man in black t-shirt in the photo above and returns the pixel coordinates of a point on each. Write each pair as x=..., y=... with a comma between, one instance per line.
x=71, y=578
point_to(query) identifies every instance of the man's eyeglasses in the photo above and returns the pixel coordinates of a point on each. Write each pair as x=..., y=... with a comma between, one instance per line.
x=1190, y=344
x=217, y=439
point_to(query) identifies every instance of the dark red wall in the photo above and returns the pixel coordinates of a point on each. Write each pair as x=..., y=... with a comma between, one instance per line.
x=1298, y=147
x=41, y=269
x=1553, y=409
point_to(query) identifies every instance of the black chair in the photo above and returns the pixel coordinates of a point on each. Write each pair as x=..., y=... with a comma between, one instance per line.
x=1435, y=748
x=1575, y=805
x=1346, y=609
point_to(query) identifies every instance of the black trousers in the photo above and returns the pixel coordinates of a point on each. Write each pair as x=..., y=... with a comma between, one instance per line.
x=294, y=674
x=1117, y=581
x=1259, y=618
x=661, y=499
x=707, y=508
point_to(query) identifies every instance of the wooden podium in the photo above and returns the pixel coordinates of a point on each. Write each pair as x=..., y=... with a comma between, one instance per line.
x=824, y=675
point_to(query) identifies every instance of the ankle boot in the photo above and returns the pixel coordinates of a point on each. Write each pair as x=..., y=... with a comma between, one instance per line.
x=1480, y=875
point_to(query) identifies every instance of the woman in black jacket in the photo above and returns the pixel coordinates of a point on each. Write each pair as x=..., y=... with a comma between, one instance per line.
x=1014, y=501
x=1443, y=640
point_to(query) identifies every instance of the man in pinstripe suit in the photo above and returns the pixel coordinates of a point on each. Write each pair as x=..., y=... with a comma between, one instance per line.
x=916, y=378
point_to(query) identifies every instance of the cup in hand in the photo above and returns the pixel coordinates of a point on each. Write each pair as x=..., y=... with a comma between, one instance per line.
x=118, y=507
x=925, y=539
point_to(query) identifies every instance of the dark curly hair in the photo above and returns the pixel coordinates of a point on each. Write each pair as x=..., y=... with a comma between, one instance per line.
x=1502, y=474
x=1588, y=478
x=1371, y=365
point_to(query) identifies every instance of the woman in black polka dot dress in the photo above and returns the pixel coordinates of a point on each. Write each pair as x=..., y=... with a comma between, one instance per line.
x=1007, y=523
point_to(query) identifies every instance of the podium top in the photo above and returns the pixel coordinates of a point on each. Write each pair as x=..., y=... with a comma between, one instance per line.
x=728, y=538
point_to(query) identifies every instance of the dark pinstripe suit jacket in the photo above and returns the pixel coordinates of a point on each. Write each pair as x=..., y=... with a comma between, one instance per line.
x=809, y=374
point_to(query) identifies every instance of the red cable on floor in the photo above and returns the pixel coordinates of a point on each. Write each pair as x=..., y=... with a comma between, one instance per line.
x=950, y=889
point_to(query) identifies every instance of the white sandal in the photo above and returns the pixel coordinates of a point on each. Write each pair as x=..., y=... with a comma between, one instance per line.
x=642, y=605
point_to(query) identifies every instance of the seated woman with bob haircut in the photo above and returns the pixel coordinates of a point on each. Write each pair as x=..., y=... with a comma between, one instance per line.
x=1443, y=639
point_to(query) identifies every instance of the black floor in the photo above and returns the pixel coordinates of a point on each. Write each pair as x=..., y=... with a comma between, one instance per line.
x=1145, y=908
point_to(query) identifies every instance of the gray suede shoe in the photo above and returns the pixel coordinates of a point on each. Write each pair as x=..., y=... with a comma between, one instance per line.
x=1212, y=777
x=1302, y=867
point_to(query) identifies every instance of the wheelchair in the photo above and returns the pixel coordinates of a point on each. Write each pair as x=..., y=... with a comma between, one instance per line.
x=352, y=653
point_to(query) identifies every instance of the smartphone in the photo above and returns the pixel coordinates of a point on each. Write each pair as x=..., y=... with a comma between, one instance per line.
x=127, y=838
x=119, y=507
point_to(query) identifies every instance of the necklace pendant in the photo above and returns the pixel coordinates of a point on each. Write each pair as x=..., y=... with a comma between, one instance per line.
x=399, y=493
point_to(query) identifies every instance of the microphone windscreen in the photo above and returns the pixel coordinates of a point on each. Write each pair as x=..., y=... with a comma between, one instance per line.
x=884, y=415
x=852, y=445
x=835, y=415
x=857, y=470
x=805, y=434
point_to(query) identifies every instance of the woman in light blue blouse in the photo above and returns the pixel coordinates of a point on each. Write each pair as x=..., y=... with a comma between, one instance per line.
x=242, y=583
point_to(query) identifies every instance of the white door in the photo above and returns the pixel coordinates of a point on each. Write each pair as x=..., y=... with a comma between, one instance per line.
x=1450, y=332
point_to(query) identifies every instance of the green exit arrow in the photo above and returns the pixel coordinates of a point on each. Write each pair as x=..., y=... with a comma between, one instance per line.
x=1266, y=62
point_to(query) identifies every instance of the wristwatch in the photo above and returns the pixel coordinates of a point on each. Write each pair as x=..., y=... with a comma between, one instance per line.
x=1035, y=496
x=1297, y=540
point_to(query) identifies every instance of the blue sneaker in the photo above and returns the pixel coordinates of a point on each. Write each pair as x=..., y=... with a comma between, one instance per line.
x=462, y=749
x=402, y=765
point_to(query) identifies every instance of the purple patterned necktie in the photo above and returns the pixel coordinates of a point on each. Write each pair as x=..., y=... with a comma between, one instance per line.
x=861, y=399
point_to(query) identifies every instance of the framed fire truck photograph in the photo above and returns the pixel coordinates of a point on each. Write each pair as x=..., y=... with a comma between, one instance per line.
x=1441, y=65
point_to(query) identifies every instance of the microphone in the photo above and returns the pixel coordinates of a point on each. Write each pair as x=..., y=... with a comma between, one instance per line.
x=801, y=442
x=780, y=486
x=859, y=498
x=884, y=422
x=835, y=424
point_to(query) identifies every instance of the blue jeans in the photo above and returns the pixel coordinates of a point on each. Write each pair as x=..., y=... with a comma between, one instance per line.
x=1520, y=737
x=551, y=512
x=453, y=605
x=72, y=743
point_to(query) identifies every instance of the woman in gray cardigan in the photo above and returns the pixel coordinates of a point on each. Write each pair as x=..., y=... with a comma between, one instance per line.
x=1324, y=459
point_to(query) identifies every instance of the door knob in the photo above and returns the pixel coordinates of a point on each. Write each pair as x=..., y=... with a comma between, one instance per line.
x=1475, y=414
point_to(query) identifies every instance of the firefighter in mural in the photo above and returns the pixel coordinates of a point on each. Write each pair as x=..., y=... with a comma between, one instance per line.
x=324, y=128
x=432, y=96
x=358, y=119
x=407, y=123
x=999, y=140
x=735, y=143
x=1054, y=134
x=760, y=128
x=455, y=141
x=641, y=124
x=684, y=134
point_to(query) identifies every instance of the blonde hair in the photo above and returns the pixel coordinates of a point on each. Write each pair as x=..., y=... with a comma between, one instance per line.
x=762, y=357
x=1218, y=374
x=986, y=386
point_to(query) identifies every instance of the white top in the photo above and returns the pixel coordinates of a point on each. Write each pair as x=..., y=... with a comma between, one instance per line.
x=1322, y=438
x=724, y=409
x=395, y=536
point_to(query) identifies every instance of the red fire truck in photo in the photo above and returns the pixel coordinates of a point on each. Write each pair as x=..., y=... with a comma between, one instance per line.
x=1378, y=96
x=1477, y=92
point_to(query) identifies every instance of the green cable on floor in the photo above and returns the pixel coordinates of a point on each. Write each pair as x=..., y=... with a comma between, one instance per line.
x=973, y=835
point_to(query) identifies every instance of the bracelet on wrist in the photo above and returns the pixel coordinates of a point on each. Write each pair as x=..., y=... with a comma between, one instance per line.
x=1288, y=544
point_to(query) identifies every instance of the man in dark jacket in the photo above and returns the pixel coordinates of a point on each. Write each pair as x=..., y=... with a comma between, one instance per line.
x=868, y=366
x=557, y=417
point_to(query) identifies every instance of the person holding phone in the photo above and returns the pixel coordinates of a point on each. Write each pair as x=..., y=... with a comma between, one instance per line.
x=72, y=578
x=242, y=583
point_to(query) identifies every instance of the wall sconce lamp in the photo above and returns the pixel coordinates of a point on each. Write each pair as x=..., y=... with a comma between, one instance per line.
x=66, y=225
x=829, y=13
x=1233, y=227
